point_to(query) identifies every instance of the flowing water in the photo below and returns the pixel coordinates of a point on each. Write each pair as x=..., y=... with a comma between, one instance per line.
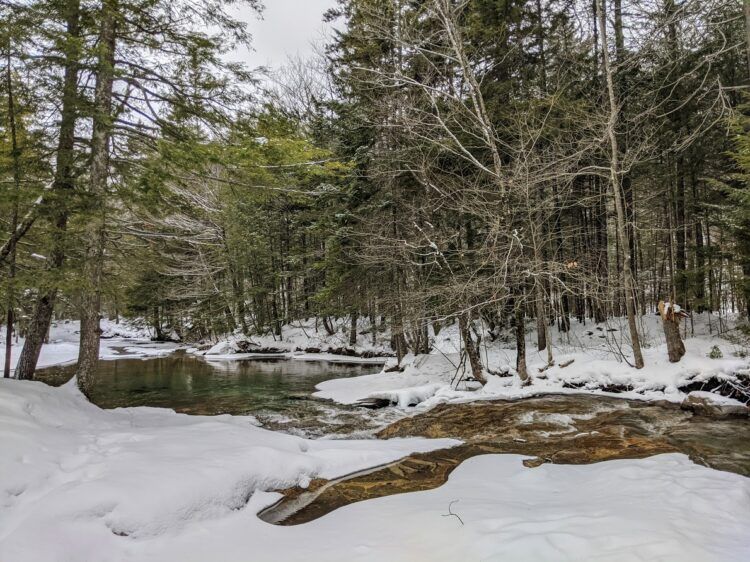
x=569, y=429
x=276, y=391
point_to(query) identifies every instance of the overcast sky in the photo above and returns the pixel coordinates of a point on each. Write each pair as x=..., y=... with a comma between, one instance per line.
x=288, y=27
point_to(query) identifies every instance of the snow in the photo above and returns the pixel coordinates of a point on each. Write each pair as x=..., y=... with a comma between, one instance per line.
x=409, y=396
x=83, y=478
x=117, y=342
x=306, y=334
x=142, y=484
x=333, y=358
x=716, y=398
x=424, y=372
x=595, y=366
x=225, y=347
x=81, y=484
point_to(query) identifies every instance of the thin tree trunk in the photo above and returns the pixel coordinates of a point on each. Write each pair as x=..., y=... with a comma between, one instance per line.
x=541, y=318
x=353, y=329
x=93, y=266
x=521, y=346
x=16, y=156
x=472, y=350
x=61, y=189
x=627, y=272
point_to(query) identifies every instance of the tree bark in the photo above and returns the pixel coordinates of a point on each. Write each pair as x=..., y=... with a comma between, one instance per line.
x=60, y=193
x=521, y=346
x=541, y=318
x=470, y=346
x=16, y=157
x=353, y=329
x=93, y=266
x=627, y=272
x=35, y=337
x=671, y=323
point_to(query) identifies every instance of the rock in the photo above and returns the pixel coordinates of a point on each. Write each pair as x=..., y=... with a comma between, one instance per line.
x=221, y=348
x=714, y=405
x=373, y=403
x=245, y=346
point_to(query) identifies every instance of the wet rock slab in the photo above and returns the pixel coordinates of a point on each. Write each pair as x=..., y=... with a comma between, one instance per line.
x=566, y=429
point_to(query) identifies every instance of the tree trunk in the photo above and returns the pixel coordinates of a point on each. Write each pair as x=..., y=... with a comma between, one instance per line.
x=327, y=325
x=156, y=320
x=671, y=323
x=699, y=283
x=521, y=346
x=93, y=266
x=541, y=319
x=16, y=157
x=35, y=336
x=61, y=189
x=627, y=272
x=353, y=329
x=471, y=348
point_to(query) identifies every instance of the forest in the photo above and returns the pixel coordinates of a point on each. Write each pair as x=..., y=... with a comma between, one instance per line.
x=500, y=187
x=514, y=162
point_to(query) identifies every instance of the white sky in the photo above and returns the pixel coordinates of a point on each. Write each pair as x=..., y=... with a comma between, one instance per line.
x=288, y=27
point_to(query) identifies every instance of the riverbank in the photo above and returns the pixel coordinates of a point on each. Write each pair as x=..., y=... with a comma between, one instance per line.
x=586, y=359
x=557, y=429
x=124, y=339
x=97, y=482
x=101, y=485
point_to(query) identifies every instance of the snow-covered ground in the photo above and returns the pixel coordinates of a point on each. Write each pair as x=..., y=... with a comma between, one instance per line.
x=309, y=334
x=80, y=483
x=140, y=484
x=596, y=365
x=118, y=340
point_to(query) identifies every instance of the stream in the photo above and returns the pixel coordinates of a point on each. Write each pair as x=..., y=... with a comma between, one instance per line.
x=563, y=429
x=277, y=392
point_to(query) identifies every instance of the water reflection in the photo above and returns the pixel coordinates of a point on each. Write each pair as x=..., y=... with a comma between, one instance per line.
x=277, y=391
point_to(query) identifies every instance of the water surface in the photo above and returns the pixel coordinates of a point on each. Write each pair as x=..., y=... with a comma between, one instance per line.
x=277, y=392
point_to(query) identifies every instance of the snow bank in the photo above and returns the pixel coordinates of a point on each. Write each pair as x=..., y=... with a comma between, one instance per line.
x=595, y=368
x=433, y=371
x=334, y=358
x=661, y=508
x=710, y=404
x=408, y=396
x=117, y=342
x=75, y=479
x=307, y=340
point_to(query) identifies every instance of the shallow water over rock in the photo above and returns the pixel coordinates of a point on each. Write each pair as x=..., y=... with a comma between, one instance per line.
x=563, y=429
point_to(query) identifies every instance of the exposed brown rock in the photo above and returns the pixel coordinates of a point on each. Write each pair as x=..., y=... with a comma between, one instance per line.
x=570, y=429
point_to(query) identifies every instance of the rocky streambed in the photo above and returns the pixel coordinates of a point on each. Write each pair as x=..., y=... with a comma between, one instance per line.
x=563, y=429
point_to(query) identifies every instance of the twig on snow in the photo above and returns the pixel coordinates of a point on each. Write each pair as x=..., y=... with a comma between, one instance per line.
x=450, y=512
